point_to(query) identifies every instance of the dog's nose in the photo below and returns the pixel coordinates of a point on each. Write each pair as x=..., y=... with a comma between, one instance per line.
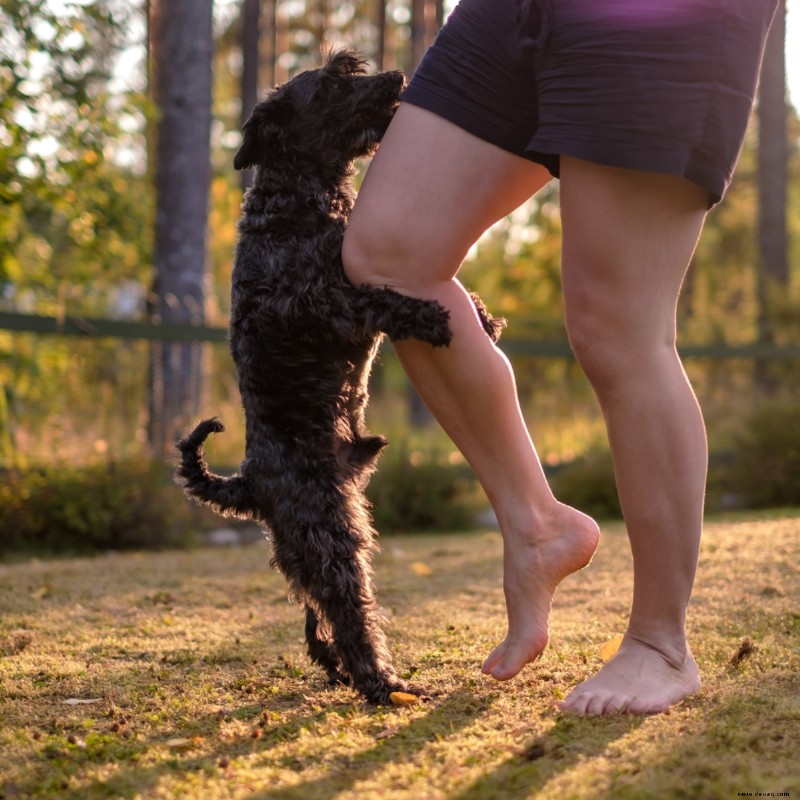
x=397, y=77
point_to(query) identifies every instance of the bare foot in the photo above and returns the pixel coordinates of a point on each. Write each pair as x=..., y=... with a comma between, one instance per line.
x=638, y=680
x=532, y=571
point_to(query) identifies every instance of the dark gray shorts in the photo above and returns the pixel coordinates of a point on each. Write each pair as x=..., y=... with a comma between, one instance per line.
x=657, y=85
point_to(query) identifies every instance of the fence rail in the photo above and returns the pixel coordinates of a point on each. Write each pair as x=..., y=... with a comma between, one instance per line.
x=175, y=332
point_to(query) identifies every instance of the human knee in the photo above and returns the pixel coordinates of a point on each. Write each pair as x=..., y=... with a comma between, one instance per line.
x=356, y=257
x=599, y=357
x=606, y=349
x=373, y=257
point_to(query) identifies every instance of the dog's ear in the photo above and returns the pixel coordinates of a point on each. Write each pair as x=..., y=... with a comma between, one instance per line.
x=261, y=131
x=346, y=62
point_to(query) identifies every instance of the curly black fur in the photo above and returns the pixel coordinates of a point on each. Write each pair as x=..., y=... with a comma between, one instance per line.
x=303, y=340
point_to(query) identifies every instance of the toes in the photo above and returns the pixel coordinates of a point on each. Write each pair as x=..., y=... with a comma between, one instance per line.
x=591, y=704
x=507, y=661
x=576, y=703
x=647, y=706
x=616, y=705
x=494, y=658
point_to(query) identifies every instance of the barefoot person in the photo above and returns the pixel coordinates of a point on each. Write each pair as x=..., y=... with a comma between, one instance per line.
x=640, y=107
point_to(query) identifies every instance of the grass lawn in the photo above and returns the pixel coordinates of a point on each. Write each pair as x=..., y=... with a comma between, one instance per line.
x=183, y=675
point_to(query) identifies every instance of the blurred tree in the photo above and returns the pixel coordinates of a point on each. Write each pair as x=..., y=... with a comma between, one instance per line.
x=250, y=39
x=773, y=154
x=427, y=16
x=181, y=48
x=75, y=220
x=773, y=159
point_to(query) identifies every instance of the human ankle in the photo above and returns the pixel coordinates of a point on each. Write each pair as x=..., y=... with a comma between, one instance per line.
x=528, y=525
x=669, y=641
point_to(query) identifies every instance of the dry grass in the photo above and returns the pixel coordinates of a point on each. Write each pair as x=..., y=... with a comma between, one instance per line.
x=196, y=663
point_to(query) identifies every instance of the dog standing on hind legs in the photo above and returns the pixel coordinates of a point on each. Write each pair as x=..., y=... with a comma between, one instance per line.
x=303, y=340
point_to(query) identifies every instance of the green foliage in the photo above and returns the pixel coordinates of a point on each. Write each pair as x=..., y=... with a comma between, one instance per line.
x=516, y=268
x=416, y=491
x=766, y=468
x=107, y=506
x=588, y=484
x=76, y=204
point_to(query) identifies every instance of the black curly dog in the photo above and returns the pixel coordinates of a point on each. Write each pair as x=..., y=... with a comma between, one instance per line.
x=303, y=340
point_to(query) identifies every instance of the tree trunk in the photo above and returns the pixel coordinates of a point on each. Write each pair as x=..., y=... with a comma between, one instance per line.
x=250, y=35
x=439, y=16
x=773, y=154
x=419, y=41
x=181, y=45
x=380, y=45
x=269, y=46
x=773, y=162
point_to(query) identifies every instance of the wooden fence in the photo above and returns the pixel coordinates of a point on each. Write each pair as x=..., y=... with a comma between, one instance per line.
x=173, y=332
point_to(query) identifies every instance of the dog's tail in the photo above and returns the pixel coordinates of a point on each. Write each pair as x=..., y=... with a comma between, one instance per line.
x=229, y=496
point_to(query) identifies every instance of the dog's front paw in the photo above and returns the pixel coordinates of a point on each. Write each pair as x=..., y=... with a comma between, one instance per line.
x=492, y=325
x=427, y=321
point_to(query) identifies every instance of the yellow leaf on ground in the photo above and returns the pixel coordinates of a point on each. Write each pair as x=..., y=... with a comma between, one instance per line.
x=179, y=744
x=609, y=649
x=421, y=568
x=403, y=699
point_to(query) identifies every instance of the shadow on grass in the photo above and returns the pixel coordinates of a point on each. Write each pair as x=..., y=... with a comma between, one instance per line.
x=133, y=779
x=743, y=742
x=571, y=739
x=452, y=714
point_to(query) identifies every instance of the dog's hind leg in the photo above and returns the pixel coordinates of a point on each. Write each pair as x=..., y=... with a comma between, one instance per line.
x=358, y=638
x=320, y=650
x=327, y=563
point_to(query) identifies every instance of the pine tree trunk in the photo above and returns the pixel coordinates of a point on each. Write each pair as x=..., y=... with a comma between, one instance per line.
x=773, y=163
x=380, y=30
x=181, y=45
x=773, y=154
x=250, y=35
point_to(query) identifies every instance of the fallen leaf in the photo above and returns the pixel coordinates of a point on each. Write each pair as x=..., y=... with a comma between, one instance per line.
x=182, y=744
x=42, y=592
x=78, y=701
x=422, y=569
x=387, y=732
x=609, y=649
x=403, y=699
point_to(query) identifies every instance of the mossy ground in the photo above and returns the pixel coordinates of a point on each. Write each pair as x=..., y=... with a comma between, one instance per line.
x=201, y=689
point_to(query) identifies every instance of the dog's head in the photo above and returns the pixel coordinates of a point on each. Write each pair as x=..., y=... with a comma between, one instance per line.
x=329, y=115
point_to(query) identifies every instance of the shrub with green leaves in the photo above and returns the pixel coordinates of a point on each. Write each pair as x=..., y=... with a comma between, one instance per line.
x=766, y=466
x=588, y=484
x=108, y=506
x=414, y=491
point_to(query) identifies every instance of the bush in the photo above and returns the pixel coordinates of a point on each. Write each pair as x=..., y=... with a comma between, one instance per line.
x=765, y=469
x=588, y=484
x=413, y=491
x=117, y=506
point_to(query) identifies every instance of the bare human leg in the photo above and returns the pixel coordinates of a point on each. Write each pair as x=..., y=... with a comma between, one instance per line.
x=628, y=238
x=429, y=194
